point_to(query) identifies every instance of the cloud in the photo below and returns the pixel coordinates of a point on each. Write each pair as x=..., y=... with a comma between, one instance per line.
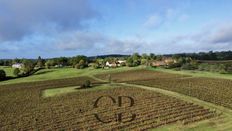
x=95, y=42
x=221, y=35
x=76, y=42
x=218, y=38
x=21, y=18
x=166, y=17
x=153, y=21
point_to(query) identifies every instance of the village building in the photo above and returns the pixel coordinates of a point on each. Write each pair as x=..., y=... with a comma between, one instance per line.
x=121, y=62
x=59, y=66
x=111, y=64
x=17, y=65
x=163, y=62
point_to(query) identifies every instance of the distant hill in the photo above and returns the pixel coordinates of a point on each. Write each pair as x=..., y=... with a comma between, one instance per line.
x=111, y=55
x=215, y=61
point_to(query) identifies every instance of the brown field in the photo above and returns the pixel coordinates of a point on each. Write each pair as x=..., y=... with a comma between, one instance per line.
x=23, y=108
x=138, y=75
x=212, y=90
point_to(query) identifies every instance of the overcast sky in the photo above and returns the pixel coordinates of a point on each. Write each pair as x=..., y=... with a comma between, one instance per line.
x=53, y=28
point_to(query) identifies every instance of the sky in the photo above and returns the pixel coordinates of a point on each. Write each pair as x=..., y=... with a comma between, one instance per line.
x=54, y=28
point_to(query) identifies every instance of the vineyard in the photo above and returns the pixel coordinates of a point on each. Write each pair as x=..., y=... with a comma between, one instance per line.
x=137, y=75
x=217, y=91
x=23, y=108
x=212, y=90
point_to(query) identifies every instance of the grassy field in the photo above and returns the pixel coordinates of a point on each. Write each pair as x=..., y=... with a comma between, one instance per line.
x=61, y=73
x=8, y=70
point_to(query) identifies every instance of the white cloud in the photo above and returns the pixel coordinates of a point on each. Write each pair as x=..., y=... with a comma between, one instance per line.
x=165, y=18
x=153, y=21
x=24, y=17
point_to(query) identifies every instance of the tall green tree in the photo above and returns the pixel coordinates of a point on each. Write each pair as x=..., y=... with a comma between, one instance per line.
x=40, y=62
x=28, y=66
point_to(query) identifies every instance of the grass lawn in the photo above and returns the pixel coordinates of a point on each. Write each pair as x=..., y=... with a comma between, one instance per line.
x=8, y=70
x=195, y=73
x=59, y=73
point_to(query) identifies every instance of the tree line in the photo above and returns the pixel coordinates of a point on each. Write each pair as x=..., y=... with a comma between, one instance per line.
x=182, y=62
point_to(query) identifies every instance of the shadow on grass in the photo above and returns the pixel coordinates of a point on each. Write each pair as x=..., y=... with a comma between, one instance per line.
x=90, y=87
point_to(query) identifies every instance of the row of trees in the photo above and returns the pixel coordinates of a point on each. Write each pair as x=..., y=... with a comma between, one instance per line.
x=223, y=55
x=187, y=63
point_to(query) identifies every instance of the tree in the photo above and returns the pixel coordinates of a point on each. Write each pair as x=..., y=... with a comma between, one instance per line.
x=28, y=67
x=81, y=64
x=136, y=59
x=152, y=56
x=75, y=60
x=16, y=72
x=49, y=63
x=77, y=66
x=16, y=60
x=145, y=56
x=40, y=62
x=144, y=61
x=2, y=74
x=61, y=61
x=129, y=62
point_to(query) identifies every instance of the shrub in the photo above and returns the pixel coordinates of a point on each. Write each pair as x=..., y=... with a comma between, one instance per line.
x=203, y=67
x=77, y=66
x=2, y=74
x=95, y=66
x=16, y=72
x=87, y=84
x=187, y=66
x=81, y=65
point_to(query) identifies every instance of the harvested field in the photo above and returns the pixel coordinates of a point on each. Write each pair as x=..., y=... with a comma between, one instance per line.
x=22, y=108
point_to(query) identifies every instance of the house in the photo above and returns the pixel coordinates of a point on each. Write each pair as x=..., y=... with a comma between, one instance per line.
x=169, y=61
x=111, y=64
x=59, y=66
x=164, y=62
x=158, y=63
x=121, y=62
x=17, y=65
